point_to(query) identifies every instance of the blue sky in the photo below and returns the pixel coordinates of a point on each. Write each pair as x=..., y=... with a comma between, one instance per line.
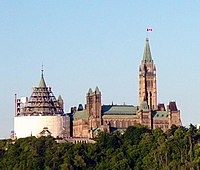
x=89, y=43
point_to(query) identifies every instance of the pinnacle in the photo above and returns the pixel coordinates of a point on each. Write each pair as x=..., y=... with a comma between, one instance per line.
x=147, y=53
x=42, y=82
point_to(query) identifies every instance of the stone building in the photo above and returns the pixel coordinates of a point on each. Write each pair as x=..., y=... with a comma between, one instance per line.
x=95, y=117
x=42, y=114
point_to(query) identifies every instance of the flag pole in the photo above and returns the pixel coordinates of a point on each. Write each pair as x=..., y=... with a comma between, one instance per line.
x=147, y=31
x=147, y=36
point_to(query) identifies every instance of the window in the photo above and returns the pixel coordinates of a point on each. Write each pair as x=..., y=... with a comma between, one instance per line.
x=145, y=116
x=112, y=123
x=123, y=124
x=117, y=124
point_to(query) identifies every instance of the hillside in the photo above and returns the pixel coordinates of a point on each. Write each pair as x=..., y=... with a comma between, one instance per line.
x=138, y=148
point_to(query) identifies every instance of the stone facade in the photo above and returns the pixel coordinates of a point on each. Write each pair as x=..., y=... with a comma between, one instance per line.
x=43, y=114
x=147, y=79
x=95, y=117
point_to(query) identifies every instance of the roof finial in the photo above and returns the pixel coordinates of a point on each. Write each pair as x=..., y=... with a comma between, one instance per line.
x=42, y=69
x=42, y=82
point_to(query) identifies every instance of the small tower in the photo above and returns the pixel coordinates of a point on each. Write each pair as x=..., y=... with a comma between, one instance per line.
x=174, y=114
x=93, y=107
x=144, y=114
x=147, y=79
x=60, y=103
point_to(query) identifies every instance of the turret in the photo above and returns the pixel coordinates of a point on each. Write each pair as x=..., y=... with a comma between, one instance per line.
x=60, y=103
x=93, y=107
x=174, y=114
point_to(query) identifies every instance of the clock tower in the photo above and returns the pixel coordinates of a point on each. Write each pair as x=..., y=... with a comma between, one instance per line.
x=147, y=79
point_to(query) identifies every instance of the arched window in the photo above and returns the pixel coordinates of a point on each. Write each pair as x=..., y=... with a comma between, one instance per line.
x=129, y=123
x=123, y=124
x=111, y=123
x=117, y=124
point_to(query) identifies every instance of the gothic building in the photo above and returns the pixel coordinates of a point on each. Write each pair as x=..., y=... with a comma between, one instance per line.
x=95, y=117
x=42, y=114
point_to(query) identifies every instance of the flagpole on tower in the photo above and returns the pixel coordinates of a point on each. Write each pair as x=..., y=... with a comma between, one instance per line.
x=148, y=30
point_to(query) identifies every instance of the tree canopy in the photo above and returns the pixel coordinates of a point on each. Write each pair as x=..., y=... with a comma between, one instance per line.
x=138, y=148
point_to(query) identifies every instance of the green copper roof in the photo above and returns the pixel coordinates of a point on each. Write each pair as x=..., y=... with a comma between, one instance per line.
x=120, y=116
x=97, y=90
x=160, y=115
x=144, y=106
x=60, y=98
x=90, y=91
x=42, y=82
x=119, y=110
x=81, y=114
x=147, y=53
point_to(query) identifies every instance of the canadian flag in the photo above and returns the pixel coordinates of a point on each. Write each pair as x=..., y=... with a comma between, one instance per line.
x=149, y=29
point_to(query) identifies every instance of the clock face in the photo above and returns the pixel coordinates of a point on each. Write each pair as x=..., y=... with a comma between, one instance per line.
x=148, y=69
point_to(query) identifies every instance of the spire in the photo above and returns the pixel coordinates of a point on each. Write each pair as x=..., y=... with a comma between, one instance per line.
x=89, y=91
x=42, y=82
x=60, y=98
x=147, y=53
x=97, y=90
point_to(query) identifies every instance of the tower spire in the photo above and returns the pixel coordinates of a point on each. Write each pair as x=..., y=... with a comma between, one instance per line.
x=147, y=53
x=42, y=81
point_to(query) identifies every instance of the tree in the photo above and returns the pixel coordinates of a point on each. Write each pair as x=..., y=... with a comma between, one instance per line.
x=133, y=133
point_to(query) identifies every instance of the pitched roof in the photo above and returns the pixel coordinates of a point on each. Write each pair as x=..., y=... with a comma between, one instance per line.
x=83, y=114
x=172, y=106
x=147, y=53
x=119, y=110
x=144, y=106
x=45, y=131
x=161, y=107
x=60, y=98
x=89, y=91
x=120, y=116
x=97, y=90
x=160, y=115
x=42, y=101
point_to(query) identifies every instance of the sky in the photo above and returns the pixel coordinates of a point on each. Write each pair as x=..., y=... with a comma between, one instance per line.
x=87, y=43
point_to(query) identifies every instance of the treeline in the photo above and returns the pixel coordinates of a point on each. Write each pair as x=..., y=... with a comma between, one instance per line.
x=138, y=148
